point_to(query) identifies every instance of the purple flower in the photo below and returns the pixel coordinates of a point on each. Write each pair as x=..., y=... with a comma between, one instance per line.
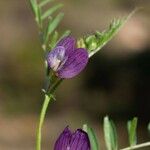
x=66, y=60
x=72, y=141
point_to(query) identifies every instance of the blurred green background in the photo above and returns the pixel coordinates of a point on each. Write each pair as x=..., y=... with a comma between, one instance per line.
x=116, y=81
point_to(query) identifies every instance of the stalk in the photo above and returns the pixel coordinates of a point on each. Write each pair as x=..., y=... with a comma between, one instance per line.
x=48, y=97
x=137, y=146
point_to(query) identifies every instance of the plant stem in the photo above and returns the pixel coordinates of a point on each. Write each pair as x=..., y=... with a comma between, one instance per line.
x=137, y=146
x=46, y=102
x=54, y=86
x=42, y=118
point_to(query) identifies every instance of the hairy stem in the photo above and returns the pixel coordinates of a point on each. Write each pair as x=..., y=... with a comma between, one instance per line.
x=137, y=146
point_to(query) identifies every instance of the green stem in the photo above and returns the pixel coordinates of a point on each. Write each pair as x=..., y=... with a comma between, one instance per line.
x=54, y=86
x=46, y=102
x=42, y=118
x=137, y=146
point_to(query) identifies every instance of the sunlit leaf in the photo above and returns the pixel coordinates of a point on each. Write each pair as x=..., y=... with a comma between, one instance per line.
x=114, y=135
x=92, y=137
x=110, y=134
x=107, y=133
x=132, y=126
x=50, y=11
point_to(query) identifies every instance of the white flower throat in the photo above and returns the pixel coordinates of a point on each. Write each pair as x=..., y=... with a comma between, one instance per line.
x=58, y=61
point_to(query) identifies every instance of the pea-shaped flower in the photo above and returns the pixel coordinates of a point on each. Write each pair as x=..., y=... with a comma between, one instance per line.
x=72, y=141
x=66, y=60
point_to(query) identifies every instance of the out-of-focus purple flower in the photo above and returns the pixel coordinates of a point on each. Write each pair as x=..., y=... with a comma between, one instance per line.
x=66, y=60
x=72, y=141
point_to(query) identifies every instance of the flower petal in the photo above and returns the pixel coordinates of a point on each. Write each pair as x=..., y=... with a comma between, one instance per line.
x=75, y=63
x=80, y=141
x=63, y=141
x=55, y=57
x=68, y=43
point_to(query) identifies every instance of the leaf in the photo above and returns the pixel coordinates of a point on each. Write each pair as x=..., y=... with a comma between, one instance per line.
x=106, y=36
x=115, y=137
x=110, y=134
x=36, y=10
x=52, y=25
x=92, y=137
x=34, y=6
x=50, y=11
x=44, y=2
x=54, y=39
x=107, y=133
x=38, y=17
x=132, y=126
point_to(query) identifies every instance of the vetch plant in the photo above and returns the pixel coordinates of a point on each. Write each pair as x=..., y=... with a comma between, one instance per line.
x=65, y=58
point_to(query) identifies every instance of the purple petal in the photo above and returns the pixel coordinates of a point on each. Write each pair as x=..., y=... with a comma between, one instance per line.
x=75, y=63
x=80, y=141
x=72, y=141
x=63, y=141
x=56, y=57
x=68, y=43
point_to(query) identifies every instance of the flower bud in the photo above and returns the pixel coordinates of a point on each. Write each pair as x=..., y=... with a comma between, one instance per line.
x=81, y=43
x=91, y=43
x=77, y=140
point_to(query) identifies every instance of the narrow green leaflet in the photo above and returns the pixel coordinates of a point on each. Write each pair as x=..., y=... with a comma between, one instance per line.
x=96, y=41
x=92, y=137
x=36, y=11
x=132, y=126
x=110, y=134
x=44, y=2
x=50, y=11
x=107, y=133
x=52, y=25
x=34, y=6
x=38, y=17
x=114, y=134
x=54, y=39
x=49, y=26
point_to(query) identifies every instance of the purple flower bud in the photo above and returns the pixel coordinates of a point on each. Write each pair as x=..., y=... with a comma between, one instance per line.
x=67, y=60
x=72, y=141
